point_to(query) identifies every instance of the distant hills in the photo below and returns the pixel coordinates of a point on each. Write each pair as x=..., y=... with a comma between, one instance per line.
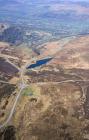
x=67, y=17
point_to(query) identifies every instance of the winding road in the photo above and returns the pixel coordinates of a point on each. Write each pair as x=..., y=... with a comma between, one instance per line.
x=12, y=110
x=65, y=81
x=23, y=85
x=4, y=82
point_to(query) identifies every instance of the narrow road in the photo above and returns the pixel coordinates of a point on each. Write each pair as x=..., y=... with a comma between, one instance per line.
x=22, y=87
x=65, y=81
x=4, y=82
x=8, y=56
x=7, y=60
x=12, y=110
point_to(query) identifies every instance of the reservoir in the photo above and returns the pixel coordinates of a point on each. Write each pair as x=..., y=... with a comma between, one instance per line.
x=39, y=63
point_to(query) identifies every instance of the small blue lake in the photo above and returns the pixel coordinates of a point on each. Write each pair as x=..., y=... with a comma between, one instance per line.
x=39, y=63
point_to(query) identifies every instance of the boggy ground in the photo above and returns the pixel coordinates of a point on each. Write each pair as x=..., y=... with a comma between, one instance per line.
x=51, y=112
x=50, y=109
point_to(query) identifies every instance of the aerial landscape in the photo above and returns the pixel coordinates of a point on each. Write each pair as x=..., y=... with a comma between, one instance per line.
x=44, y=70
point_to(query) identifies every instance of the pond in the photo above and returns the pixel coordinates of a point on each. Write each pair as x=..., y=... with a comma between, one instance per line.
x=39, y=63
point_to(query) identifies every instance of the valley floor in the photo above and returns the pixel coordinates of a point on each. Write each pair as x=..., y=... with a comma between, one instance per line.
x=49, y=102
